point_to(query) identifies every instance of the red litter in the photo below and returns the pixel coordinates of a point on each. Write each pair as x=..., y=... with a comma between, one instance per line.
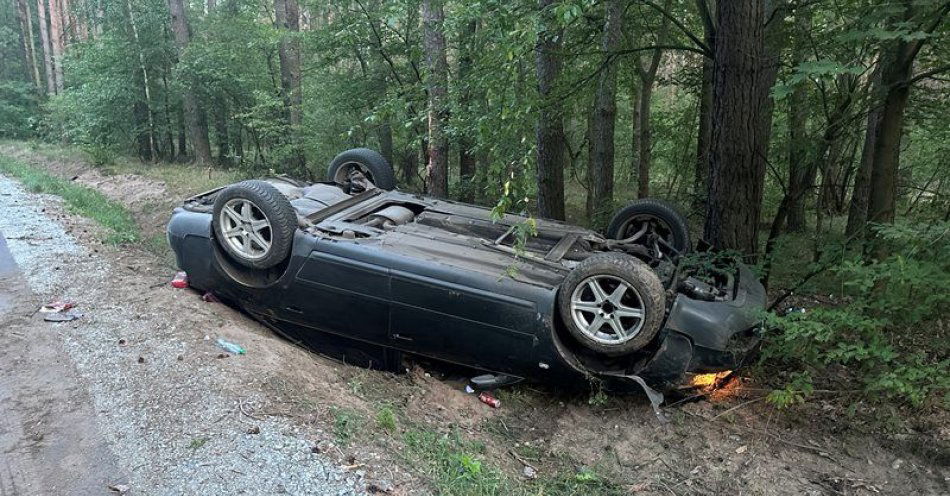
x=489, y=400
x=180, y=281
x=57, y=306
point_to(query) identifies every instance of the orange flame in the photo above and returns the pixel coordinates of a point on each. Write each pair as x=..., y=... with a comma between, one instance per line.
x=709, y=381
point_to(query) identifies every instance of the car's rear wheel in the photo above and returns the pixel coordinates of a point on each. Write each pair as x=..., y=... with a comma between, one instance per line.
x=612, y=303
x=651, y=218
x=254, y=223
x=371, y=164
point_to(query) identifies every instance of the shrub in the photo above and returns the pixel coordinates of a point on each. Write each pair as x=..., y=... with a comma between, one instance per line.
x=888, y=334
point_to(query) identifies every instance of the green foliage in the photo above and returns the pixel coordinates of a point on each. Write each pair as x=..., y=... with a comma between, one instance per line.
x=454, y=464
x=889, y=334
x=18, y=110
x=346, y=423
x=79, y=199
x=386, y=418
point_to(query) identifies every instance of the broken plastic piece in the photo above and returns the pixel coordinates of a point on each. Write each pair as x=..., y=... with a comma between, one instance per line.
x=62, y=316
x=231, y=347
x=57, y=306
x=180, y=281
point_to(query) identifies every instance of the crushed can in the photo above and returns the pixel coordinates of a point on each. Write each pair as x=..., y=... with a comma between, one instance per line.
x=180, y=281
x=489, y=400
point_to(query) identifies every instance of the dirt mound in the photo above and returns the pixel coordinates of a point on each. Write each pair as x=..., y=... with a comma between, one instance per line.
x=129, y=189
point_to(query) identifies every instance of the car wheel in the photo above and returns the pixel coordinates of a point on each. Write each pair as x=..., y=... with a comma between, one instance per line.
x=651, y=216
x=254, y=223
x=612, y=303
x=373, y=165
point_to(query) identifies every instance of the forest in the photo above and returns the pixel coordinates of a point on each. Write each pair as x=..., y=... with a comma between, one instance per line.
x=810, y=137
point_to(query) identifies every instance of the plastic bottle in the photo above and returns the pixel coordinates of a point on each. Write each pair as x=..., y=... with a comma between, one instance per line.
x=231, y=347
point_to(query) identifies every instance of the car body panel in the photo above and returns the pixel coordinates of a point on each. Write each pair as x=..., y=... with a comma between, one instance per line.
x=441, y=287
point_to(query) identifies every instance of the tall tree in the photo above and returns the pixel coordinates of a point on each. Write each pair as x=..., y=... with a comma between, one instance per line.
x=47, y=47
x=196, y=119
x=467, y=160
x=858, y=208
x=150, y=151
x=647, y=75
x=600, y=171
x=704, y=133
x=25, y=15
x=287, y=17
x=895, y=90
x=437, y=80
x=550, y=130
x=56, y=42
x=737, y=158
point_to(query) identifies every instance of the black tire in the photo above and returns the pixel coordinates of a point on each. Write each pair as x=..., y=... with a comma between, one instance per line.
x=672, y=223
x=637, y=275
x=374, y=165
x=276, y=209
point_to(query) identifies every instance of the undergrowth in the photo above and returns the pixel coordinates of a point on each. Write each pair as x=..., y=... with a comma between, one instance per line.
x=78, y=199
x=886, y=335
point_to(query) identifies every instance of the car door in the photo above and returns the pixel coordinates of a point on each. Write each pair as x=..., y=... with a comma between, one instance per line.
x=442, y=316
x=342, y=288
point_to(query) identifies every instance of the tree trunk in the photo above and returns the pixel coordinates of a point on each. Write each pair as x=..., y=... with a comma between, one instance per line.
x=143, y=71
x=437, y=174
x=467, y=161
x=25, y=16
x=797, y=147
x=600, y=173
x=704, y=130
x=550, y=131
x=182, y=135
x=858, y=210
x=56, y=42
x=647, y=80
x=737, y=154
x=195, y=117
x=47, y=47
x=221, y=131
x=287, y=16
x=634, y=122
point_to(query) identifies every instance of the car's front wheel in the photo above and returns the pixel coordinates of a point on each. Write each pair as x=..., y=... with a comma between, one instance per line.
x=612, y=303
x=254, y=223
x=367, y=162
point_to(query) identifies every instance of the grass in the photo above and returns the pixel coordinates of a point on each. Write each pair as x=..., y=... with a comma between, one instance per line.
x=78, y=199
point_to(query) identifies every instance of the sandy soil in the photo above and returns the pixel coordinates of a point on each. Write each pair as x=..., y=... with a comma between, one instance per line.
x=735, y=444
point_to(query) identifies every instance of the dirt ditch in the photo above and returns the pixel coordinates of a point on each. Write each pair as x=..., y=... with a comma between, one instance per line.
x=735, y=444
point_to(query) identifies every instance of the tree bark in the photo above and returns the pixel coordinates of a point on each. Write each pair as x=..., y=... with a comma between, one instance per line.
x=600, y=173
x=25, y=16
x=287, y=17
x=152, y=146
x=797, y=146
x=550, y=130
x=195, y=117
x=858, y=209
x=647, y=80
x=56, y=42
x=634, y=122
x=737, y=155
x=467, y=162
x=895, y=76
x=704, y=131
x=221, y=131
x=437, y=173
x=47, y=47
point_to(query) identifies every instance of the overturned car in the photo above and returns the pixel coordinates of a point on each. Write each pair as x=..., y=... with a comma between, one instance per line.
x=357, y=270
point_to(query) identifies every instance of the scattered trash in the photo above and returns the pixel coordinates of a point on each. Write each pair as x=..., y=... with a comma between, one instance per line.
x=791, y=310
x=119, y=488
x=62, y=317
x=469, y=389
x=529, y=472
x=489, y=400
x=741, y=449
x=254, y=430
x=231, y=347
x=209, y=297
x=57, y=306
x=180, y=281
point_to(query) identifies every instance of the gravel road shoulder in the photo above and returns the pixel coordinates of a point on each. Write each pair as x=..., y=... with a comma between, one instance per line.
x=174, y=417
